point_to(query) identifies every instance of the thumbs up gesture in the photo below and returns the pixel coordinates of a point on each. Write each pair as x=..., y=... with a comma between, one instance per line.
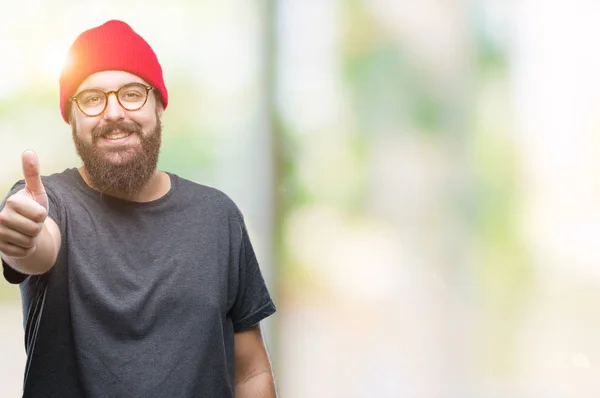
x=33, y=180
x=22, y=218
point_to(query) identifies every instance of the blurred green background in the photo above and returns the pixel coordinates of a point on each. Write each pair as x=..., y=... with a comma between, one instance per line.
x=419, y=178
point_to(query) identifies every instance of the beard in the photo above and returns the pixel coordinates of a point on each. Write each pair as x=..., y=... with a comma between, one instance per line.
x=135, y=167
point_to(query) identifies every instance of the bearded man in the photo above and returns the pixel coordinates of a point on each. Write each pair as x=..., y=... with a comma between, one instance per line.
x=135, y=282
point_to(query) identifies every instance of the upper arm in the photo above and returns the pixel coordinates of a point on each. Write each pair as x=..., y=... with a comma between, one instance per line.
x=250, y=354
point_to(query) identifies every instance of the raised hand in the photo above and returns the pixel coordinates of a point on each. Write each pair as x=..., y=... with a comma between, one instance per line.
x=22, y=218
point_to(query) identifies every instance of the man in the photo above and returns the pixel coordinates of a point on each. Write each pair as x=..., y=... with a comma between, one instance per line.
x=135, y=282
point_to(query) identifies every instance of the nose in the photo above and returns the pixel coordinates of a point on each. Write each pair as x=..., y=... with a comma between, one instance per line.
x=113, y=111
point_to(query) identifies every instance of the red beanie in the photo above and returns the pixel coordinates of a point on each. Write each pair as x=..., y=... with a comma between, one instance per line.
x=111, y=46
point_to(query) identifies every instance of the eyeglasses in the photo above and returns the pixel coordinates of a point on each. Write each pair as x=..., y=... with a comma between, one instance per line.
x=131, y=97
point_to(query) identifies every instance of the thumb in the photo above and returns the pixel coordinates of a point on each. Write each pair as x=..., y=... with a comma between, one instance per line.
x=33, y=180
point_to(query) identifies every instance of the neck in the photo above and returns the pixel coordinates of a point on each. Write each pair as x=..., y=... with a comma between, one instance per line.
x=157, y=186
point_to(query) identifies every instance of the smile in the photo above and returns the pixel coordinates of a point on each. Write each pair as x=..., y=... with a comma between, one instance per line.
x=116, y=135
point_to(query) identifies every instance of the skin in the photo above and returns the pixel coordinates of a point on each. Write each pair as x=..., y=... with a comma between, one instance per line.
x=253, y=375
x=30, y=240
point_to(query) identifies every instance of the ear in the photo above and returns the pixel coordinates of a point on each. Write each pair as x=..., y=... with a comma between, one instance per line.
x=159, y=109
x=73, y=116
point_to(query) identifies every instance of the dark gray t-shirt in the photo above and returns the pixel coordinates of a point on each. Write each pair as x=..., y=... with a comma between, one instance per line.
x=144, y=299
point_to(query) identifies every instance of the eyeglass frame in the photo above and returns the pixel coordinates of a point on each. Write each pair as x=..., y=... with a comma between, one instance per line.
x=107, y=94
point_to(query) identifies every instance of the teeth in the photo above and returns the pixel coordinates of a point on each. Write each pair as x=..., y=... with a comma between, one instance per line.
x=117, y=136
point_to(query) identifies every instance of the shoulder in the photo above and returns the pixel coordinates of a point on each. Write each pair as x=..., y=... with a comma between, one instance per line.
x=61, y=183
x=209, y=198
x=53, y=183
x=63, y=179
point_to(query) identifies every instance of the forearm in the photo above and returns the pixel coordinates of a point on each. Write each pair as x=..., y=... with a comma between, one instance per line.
x=260, y=385
x=43, y=257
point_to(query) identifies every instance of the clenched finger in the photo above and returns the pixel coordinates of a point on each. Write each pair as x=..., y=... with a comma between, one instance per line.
x=21, y=224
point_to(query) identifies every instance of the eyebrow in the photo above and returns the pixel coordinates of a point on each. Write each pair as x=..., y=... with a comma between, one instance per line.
x=103, y=89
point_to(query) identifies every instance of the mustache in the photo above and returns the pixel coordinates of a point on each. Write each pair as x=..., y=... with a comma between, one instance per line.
x=101, y=131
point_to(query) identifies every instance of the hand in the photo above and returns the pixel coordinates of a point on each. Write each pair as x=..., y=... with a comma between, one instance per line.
x=23, y=216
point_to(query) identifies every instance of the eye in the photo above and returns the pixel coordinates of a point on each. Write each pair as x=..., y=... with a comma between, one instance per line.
x=91, y=100
x=132, y=95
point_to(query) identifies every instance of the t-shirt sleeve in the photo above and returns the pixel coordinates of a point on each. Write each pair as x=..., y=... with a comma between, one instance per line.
x=253, y=302
x=11, y=275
